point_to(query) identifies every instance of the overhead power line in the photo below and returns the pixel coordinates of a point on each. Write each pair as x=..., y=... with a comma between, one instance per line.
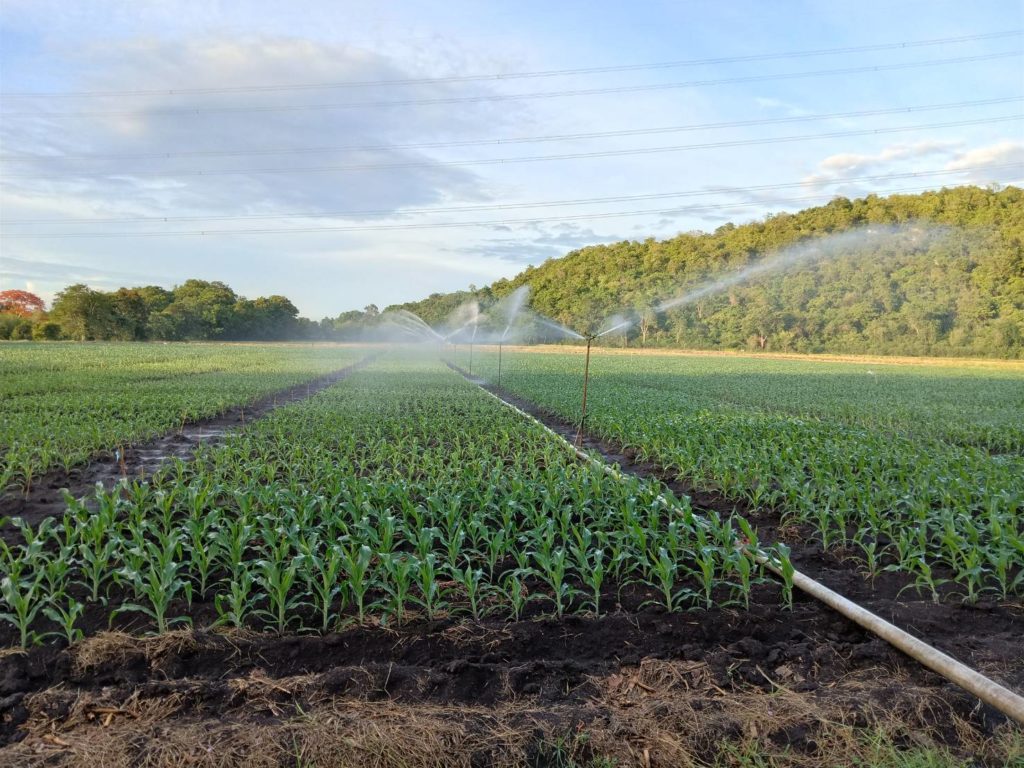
x=431, y=225
x=434, y=225
x=513, y=140
x=516, y=160
x=521, y=96
x=513, y=206
x=520, y=75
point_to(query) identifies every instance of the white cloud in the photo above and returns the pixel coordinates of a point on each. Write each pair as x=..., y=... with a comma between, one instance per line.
x=851, y=163
x=155, y=124
x=1003, y=153
x=980, y=165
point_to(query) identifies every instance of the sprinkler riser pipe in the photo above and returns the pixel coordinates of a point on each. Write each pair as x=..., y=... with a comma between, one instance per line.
x=586, y=381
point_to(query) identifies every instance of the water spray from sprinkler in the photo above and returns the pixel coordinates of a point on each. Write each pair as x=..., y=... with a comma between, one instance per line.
x=410, y=323
x=472, y=338
x=804, y=253
x=511, y=305
x=621, y=325
x=472, y=312
x=560, y=328
x=811, y=251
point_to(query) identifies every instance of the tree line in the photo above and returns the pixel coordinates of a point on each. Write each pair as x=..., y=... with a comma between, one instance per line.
x=194, y=310
x=959, y=292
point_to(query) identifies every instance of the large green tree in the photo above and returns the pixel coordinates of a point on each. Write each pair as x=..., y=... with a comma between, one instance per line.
x=85, y=314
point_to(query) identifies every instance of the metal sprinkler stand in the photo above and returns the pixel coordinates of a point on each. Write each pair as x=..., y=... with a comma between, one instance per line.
x=499, y=363
x=586, y=380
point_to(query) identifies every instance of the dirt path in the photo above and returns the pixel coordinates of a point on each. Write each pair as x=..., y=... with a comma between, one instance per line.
x=143, y=459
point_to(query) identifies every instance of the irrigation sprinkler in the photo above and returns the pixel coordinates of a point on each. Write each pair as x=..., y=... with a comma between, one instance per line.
x=586, y=380
x=586, y=375
x=500, y=342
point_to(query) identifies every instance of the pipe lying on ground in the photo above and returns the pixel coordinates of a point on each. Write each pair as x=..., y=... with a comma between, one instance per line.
x=989, y=691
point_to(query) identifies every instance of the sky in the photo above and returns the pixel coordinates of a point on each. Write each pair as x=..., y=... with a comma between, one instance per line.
x=343, y=154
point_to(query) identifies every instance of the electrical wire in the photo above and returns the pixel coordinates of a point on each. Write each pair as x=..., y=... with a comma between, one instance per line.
x=18, y=157
x=521, y=75
x=516, y=160
x=433, y=225
x=513, y=206
x=197, y=110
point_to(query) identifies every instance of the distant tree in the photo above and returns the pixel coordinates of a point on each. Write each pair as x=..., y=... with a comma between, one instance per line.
x=46, y=331
x=22, y=331
x=266, y=318
x=131, y=314
x=21, y=303
x=648, y=319
x=84, y=314
x=202, y=310
x=8, y=322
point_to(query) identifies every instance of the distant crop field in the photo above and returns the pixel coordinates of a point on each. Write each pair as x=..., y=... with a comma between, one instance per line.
x=60, y=403
x=910, y=466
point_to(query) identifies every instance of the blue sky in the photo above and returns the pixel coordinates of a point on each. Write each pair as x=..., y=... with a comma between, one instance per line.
x=367, y=194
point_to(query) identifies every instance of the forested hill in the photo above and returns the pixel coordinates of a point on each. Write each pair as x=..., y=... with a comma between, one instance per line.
x=960, y=293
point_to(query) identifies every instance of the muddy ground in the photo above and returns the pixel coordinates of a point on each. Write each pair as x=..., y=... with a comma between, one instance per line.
x=638, y=685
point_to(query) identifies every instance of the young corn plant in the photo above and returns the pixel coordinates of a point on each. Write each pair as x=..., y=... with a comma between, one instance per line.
x=400, y=571
x=474, y=585
x=431, y=597
x=356, y=559
x=236, y=604
x=98, y=549
x=277, y=578
x=664, y=573
x=320, y=572
x=22, y=592
x=590, y=566
x=785, y=565
x=65, y=611
x=706, y=559
x=157, y=579
x=553, y=569
x=202, y=545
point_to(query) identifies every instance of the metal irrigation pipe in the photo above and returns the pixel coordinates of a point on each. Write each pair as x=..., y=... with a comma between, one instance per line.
x=989, y=691
x=586, y=381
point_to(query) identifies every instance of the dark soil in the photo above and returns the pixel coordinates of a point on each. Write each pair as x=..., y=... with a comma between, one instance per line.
x=550, y=662
x=46, y=495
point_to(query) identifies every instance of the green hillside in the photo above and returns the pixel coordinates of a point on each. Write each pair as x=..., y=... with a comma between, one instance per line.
x=960, y=292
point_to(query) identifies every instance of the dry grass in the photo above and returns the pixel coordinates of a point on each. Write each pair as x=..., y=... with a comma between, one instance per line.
x=660, y=713
x=117, y=648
